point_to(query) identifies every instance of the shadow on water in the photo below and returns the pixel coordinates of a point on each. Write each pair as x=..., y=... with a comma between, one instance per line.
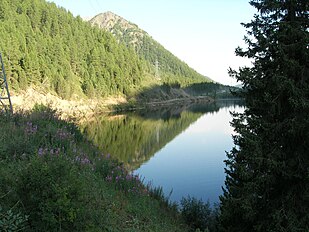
x=133, y=138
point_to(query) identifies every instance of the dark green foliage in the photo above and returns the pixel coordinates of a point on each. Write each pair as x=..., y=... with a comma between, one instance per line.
x=47, y=48
x=267, y=187
x=11, y=221
x=211, y=89
x=198, y=215
x=51, y=192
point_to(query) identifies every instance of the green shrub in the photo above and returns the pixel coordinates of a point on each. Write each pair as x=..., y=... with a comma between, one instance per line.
x=51, y=189
x=10, y=221
x=198, y=214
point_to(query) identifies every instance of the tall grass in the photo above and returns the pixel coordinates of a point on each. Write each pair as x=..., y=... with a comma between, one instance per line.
x=53, y=179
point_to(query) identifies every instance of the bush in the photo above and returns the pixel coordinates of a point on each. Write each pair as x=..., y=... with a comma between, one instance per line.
x=198, y=215
x=11, y=221
x=50, y=189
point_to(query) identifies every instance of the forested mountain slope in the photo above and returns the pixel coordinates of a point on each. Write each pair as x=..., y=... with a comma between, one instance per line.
x=170, y=68
x=46, y=47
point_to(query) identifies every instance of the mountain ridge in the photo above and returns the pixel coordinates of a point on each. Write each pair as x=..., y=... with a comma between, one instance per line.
x=108, y=20
x=147, y=48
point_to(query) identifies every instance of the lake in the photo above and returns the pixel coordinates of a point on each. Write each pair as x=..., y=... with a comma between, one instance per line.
x=180, y=148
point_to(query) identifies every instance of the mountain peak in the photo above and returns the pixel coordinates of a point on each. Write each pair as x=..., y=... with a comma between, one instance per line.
x=149, y=49
x=119, y=27
x=108, y=15
x=108, y=20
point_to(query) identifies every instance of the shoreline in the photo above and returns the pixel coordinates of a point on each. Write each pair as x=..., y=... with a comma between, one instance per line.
x=79, y=109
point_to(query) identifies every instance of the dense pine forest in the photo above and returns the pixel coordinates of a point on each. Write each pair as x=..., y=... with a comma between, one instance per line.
x=45, y=47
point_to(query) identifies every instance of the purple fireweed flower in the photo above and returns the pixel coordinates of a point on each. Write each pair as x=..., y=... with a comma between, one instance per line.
x=85, y=161
x=63, y=134
x=82, y=160
x=41, y=151
x=136, y=177
x=30, y=128
x=44, y=151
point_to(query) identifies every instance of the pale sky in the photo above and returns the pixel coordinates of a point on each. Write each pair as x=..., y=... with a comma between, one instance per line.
x=202, y=33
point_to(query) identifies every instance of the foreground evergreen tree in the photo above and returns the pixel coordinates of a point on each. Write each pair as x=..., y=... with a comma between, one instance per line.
x=267, y=184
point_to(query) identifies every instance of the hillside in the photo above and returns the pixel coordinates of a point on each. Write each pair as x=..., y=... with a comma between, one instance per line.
x=160, y=62
x=53, y=179
x=46, y=48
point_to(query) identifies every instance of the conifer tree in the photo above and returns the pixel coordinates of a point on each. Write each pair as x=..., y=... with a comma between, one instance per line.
x=45, y=47
x=267, y=183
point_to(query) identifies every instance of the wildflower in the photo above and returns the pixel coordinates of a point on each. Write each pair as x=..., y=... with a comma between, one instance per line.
x=41, y=151
x=63, y=134
x=136, y=177
x=30, y=128
x=85, y=161
x=82, y=160
x=128, y=177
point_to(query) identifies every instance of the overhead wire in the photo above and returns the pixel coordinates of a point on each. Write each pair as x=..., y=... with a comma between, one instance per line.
x=98, y=3
x=92, y=6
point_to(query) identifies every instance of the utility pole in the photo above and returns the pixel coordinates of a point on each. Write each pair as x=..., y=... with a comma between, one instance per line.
x=4, y=88
x=157, y=75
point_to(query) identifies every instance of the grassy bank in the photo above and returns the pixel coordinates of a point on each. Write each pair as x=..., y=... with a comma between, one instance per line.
x=52, y=179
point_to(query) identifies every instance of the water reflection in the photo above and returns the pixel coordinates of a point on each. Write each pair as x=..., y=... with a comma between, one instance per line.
x=146, y=141
x=135, y=137
x=192, y=164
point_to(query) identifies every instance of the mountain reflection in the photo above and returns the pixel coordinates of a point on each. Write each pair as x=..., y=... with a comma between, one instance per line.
x=133, y=138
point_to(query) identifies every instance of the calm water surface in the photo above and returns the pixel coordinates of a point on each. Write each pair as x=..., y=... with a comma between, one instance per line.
x=181, y=149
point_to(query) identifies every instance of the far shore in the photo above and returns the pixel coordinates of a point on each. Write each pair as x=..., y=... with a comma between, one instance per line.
x=77, y=109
